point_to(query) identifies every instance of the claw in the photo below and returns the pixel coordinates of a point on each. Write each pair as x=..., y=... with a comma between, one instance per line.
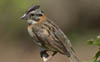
x=44, y=55
x=46, y=59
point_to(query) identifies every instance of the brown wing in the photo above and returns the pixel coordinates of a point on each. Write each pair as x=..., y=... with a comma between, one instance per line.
x=62, y=39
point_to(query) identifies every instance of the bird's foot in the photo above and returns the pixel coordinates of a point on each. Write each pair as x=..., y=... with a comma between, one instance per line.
x=46, y=59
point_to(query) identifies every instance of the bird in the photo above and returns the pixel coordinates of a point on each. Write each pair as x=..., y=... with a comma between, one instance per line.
x=47, y=35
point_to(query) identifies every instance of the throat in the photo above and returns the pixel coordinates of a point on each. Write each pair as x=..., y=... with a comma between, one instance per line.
x=32, y=22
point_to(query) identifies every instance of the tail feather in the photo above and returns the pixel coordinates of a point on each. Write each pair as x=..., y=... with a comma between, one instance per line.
x=73, y=58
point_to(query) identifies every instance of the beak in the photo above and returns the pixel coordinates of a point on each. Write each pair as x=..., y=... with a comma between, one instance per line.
x=24, y=17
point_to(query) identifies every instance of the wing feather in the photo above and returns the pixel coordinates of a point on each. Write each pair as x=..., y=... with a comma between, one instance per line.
x=63, y=39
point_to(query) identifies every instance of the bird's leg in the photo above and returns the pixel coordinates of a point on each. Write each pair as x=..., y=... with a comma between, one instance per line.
x=45, y=56
x=54, y=53
x=51, y=56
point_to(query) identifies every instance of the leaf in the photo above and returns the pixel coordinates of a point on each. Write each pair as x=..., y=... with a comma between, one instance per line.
x=94, y=42
x=97, y=55
x=90, y=42
x=98, y=41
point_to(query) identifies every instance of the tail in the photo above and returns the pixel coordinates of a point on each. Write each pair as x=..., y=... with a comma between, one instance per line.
x=71, y=53
x=73, y=58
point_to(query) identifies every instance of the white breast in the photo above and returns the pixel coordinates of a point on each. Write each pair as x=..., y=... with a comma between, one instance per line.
x=30, y=31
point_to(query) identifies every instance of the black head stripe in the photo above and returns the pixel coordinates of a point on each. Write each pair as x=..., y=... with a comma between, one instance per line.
x=34, y=7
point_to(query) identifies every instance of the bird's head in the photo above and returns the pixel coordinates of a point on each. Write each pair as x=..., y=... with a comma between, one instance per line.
x=34, y=15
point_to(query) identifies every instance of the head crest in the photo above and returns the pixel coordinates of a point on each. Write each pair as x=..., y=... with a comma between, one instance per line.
x=34, y=7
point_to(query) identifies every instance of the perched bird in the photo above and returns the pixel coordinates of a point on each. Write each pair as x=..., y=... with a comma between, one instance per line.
x=46, y=34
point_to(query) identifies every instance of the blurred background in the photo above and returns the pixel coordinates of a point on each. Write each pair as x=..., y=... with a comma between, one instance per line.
x=79, y=19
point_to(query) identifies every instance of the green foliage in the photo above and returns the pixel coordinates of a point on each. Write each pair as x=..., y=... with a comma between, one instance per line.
x=95, y=42
x=96, y=56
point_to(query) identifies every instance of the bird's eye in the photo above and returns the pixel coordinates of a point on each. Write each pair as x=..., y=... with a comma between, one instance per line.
x=39, y=14
x=32, y=14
